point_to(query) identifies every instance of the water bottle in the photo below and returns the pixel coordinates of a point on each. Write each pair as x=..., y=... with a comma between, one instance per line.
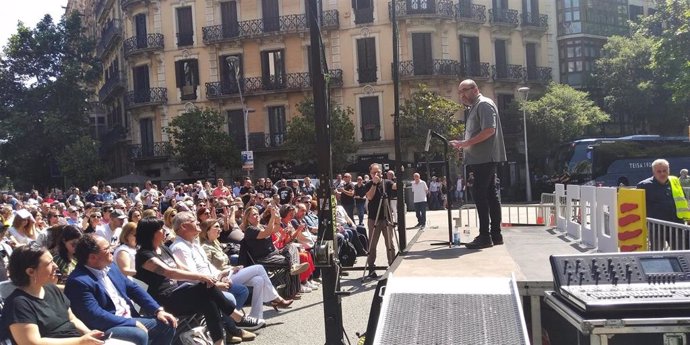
x=456, y=238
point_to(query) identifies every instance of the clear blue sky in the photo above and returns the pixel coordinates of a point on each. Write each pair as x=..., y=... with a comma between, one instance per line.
x=29, y=12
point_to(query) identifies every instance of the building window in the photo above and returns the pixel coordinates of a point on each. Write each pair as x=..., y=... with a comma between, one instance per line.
x=229, y=72
x=369, y=114
x=187, y=76
x=185, y=27
x=636, y=12
x=146, y=135
x=228, y=19
x=236, y=127
x=97, y=125
x=364, y=11
x=501, y=59
x=142, y=90
x=273, y=69
x=277, y=126
x=531, y=61
x=271, y=15
x=366, y=60
x=422, y=59
x=469, y=56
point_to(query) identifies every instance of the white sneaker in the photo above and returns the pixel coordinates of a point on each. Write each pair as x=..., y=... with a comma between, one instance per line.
x=314, y=282
x=305, y=289
x=312, y=286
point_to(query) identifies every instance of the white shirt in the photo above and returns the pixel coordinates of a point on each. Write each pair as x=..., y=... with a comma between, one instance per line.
x=121, y=307
x=109, y=235
x=192, y=255
x=419, y=191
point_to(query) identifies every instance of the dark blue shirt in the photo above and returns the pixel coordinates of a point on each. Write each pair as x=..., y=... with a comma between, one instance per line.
x=659, y=200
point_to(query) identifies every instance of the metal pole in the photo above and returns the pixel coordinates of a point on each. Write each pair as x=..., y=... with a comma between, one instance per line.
x=528, y=183
x=233, y=61
x=399, y=169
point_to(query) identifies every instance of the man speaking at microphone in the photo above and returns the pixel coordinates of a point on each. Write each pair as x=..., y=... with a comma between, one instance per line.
x=378, y=216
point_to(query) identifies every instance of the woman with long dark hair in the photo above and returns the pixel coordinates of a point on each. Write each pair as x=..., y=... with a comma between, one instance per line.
x=64, y=251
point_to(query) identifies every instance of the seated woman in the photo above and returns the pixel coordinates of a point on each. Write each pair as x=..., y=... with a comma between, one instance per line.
x=287, y=237
x=64, y=251
x=95, y=224
x=254, y=276
x=125, y=253
x=33, y=271
x=23, y=230
x=156, y=266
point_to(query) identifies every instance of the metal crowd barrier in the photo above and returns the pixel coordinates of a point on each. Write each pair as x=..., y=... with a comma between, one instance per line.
x=663, y=235
x=536, y=215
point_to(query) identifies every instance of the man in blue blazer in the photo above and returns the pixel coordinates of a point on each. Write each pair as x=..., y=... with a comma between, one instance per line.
x=101, y=296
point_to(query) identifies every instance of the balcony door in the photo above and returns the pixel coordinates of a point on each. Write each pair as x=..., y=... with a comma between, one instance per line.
x=142, y=92
x=531, y=60
x=469, y=56
x=366, y=60
x=236, y=127
x=370, y=118
x=421, y=54
x=146, y=134
x=140, y=30
x=531, y=7
x=228, y=19
x=273, y=69
x=500, y=4
x=420, y=6
x=277, y=126
x=501, y=59
x=229, y=73
x=271, y=15
x=185, y=27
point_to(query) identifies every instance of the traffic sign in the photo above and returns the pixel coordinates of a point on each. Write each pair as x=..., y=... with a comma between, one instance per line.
x=248, y=160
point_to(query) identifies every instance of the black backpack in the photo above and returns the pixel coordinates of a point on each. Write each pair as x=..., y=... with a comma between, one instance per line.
x=347, y=254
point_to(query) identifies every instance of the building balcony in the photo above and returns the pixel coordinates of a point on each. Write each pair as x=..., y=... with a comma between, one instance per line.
x=157, y=150
x=109, y=37
x=112, y=138
x=475, y=70
x=433, y=9
x=367, y=75
x=112, y=87
x=371, y=132
x=507, y=73
x=470, y=15
x=101, y=9
x=288, y=24
x=259, y=141
x=442, y=68
x=538, y=75
x=534, y=24
x=149, y=43
x=271, y=84
x=145, y=97
x=503, y=19
x=126, y=4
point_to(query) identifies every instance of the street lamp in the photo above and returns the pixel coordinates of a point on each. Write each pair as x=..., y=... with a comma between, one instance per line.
x=524, y=91
x=233, y=62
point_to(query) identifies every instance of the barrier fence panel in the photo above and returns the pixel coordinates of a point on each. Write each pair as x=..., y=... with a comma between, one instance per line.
x=663, y=235
x=573, y=216
x=560, y=207
x=549, y=200
x=588, y=196
x=605, y=218
x=510, y=215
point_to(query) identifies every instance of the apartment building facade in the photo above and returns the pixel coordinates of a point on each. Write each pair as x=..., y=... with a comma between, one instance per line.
x=163, y=57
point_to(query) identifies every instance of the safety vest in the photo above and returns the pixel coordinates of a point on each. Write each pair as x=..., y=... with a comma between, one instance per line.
x=682, y=210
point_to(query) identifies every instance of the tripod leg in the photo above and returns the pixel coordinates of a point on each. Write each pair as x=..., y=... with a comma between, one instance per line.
x=371, y=238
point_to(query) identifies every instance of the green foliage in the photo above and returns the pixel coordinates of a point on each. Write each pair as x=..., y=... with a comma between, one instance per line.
x=561, y=114
x=81, y=162
x=200, y=142
x=43, y=96
x=426, y=110
x=301, y=134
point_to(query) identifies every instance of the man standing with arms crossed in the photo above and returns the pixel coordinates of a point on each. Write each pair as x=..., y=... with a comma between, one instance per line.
x=378, y=217
x=483, y=149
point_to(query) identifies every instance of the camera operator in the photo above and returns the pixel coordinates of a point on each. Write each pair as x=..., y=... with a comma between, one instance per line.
x=378, y=216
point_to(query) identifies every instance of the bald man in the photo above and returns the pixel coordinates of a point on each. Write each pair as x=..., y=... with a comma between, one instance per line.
x=482, y=149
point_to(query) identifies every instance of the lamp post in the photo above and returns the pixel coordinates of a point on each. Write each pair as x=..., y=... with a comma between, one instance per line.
x=524, y=91
x=233, y=63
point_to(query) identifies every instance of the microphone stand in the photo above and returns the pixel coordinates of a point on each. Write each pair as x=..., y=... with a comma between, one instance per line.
x=450, y=216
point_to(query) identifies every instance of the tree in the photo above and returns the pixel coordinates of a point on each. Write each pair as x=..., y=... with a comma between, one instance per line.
x=561, y=114
x=80, y=161
x=200, y=143
x=301, y=134
x=426, y=110
x=44, y=74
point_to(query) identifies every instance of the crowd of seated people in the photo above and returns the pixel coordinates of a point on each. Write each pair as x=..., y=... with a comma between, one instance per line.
x=134, y=263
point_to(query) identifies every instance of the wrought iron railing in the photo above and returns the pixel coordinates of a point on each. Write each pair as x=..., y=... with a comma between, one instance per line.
x=111, y=33
x=150, y=96
x=508, y=72
x=280, y=83
x=364, y=16
x=535, y=20
x=503, y=16
x=126, y=3
x=478, y=70
x=538, y=74
x=185, y=39
x=139, y=44
x=367, y=75
x=260, y=140
x=429, y=8
x=409, y=68
x=293, y=23
x=468, y=12
x=159, y=149
x=115, y=83
x=371, y=132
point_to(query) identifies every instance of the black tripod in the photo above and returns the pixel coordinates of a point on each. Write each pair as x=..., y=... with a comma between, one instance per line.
x=389, y=225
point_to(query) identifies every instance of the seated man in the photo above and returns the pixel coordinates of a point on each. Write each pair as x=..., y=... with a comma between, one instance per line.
x=102, y=297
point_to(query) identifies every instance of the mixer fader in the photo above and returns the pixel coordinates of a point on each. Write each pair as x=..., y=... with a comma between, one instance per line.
x=637, y=282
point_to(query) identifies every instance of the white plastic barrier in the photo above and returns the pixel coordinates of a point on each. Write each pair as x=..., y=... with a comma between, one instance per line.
x=605, y=218
x=572, y=213
x=560, y=207
x=588, y=201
